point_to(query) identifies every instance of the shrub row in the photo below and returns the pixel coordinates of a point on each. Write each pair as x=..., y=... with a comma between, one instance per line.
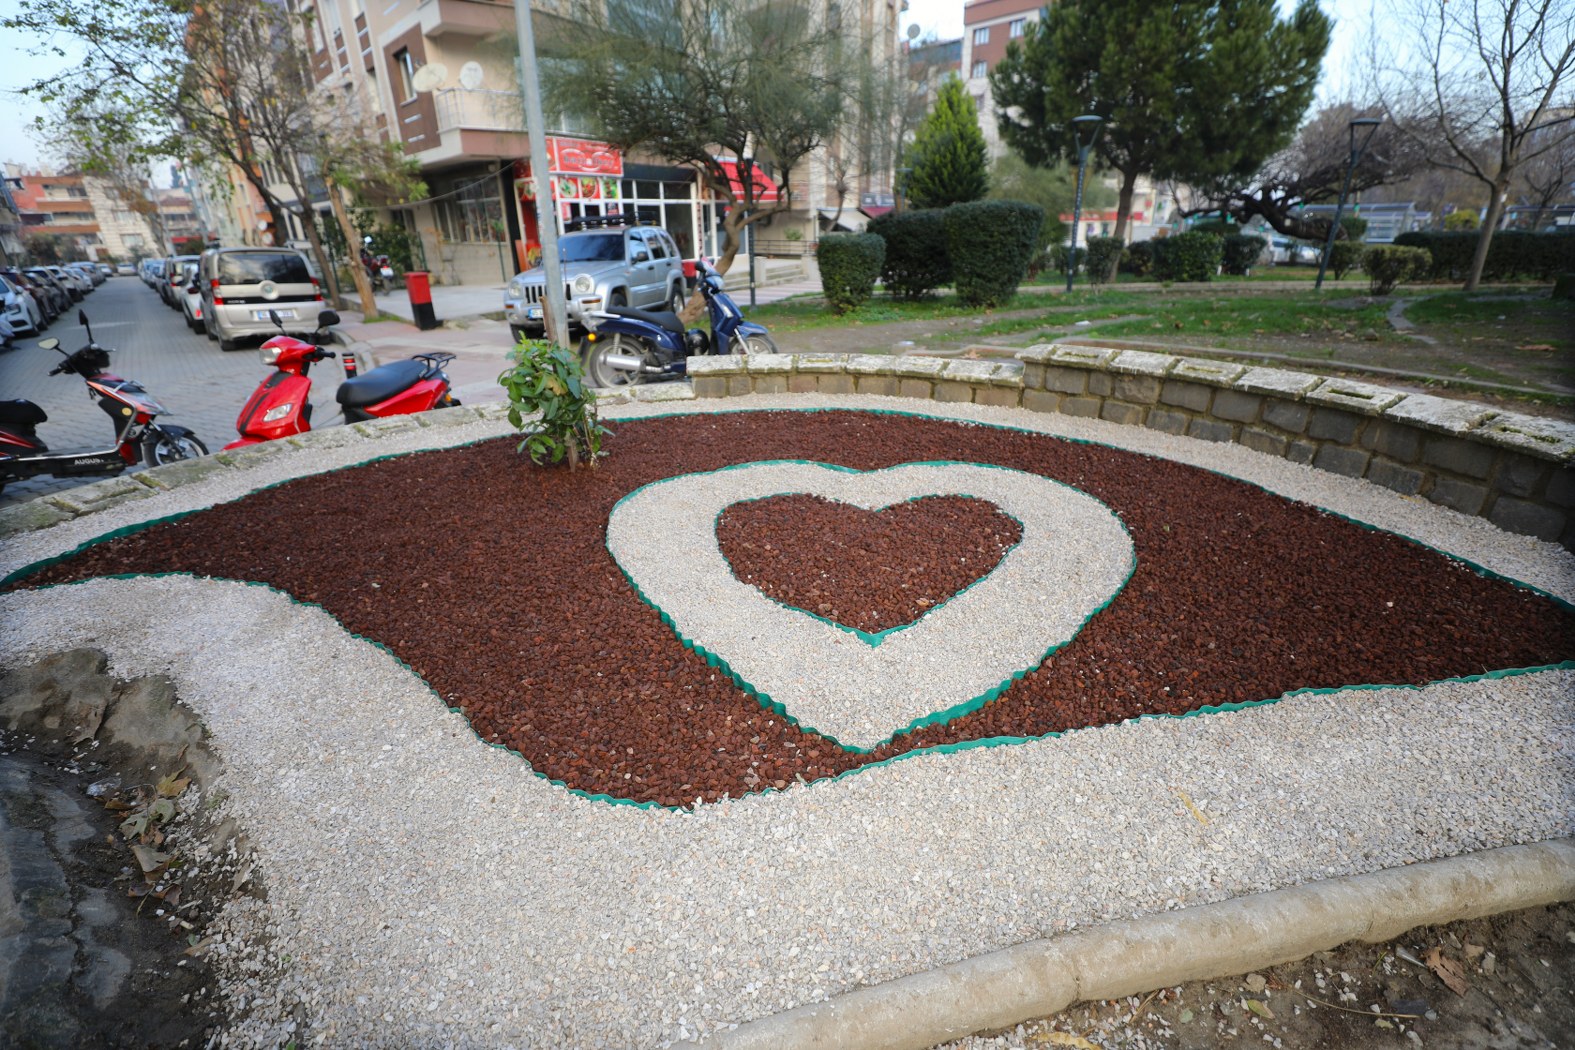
x=983, y=247
x=1386, y=265
x=916, y=259
x=1512, y=255
x=849, y=264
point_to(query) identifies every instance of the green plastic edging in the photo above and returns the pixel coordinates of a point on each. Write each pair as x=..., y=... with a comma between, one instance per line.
x=944, y=749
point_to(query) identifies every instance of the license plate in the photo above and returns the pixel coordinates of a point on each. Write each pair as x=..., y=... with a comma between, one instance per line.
x=533, y=312
x=284, y=315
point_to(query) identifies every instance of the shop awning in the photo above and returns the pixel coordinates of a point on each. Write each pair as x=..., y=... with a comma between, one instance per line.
x=874, y=211
x=765, y=189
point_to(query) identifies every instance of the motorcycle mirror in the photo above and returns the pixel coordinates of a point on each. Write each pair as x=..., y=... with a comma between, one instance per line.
x=49, y=344
x=83, y=321
x=327, y=319
x=366, y=240
x=273, y=315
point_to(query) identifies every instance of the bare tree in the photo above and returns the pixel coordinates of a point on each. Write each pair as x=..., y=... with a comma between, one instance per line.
x=1485, y=89
x=1547, y=179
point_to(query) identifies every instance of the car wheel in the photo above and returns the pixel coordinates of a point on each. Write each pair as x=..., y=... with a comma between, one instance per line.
x=617, y=299
x=677, y=299
x=227, y=344
x=207, y=329
x=518, y=332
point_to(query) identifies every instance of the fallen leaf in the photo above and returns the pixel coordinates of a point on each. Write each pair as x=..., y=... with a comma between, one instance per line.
x=173, y=785
x=1381, y=1023
x=150, y=859
x=1261, y=1009
x=1447, y=971
x=1186, y=1016
x=1064, y=1039
x=200, y=947
x=1196, y=812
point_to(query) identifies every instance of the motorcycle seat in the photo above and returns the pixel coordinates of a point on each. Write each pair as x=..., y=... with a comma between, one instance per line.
x=660, y=318
x=380, y=383
x=19, y=413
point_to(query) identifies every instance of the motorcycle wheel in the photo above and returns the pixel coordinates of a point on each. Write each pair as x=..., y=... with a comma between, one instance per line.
x=757, y=344
x=171, y=445
x=604, y=375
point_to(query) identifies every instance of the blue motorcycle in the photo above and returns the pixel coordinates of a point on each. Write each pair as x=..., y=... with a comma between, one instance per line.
x=624, y=346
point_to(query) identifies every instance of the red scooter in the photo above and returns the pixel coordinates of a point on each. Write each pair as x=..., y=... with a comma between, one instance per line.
x=279, y=406
x=132, y=412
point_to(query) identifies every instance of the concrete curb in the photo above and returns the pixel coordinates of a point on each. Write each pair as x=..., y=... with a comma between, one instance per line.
x=1006, y=987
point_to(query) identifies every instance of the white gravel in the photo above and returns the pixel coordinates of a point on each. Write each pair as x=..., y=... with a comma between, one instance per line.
x=427, y=890
x=1074, y=556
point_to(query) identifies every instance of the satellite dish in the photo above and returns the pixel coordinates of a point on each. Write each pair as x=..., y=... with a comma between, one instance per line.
x=471, y=75
x=913, y=30
x=429, y=77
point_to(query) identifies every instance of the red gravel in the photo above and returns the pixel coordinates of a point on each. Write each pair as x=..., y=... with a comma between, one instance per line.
x=490, y=577
x=871, y=570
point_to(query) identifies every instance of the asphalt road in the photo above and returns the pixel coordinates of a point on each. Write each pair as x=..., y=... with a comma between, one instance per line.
x=202, y=387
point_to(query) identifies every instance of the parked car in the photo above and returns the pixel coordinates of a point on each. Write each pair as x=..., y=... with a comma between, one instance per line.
x=152, y=272
x=88, y=271
x=190, y=296
x=44, y=297
x=21, y=311
x=126, y=270
x=75, y=285
x=1287, y=251
x=240, y=286
x=107, y=270
x=59, y=294
x=606, y=262
x=169, y=288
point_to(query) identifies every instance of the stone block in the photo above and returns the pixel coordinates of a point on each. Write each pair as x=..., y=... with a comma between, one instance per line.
x=1331, y=424
x=1101, y=384
x=837, y=383
x=1236, y=406
x=1009, y=373
x=802, y=384
x=713, y=365
x=256, y=455
x=1086, y=407
x=870, y=365
x=707, y=386
x=186, y=471
x=665, y=392
x=949, y=391
x=880, y=386
x=30, y=516
x=1350, y=462
x=1277, y=383
x=1540, y=436
x=1210, y=430
x=1093, y=357
x=1264, y=441
x=1286, y=415
x=1037, y=354
x=1521, y=475
x=763, y=364
x=1167, y=422
x=449, y=417
x=1121, y=412
x=919, y=367
x=1214, y=373
x=1034, y=376
x=1143, y=363
x=1458, y=495
x=1459, y=456
x=85, y=499
x=915, y=388
x=737, y=386
x=1301, y=452
x=970, y=371
x=1041, y=401
x=1440, y=414
x=1528, y=518
x=1362, y=398
x=1390, y=475
x=1561, y=488
x=1193, y=396
x=1064, y=380
x=381, y=428
x=1398, y=441
x=999, y=396
x=822, y=362
x=769, y=384
x=1142, y=390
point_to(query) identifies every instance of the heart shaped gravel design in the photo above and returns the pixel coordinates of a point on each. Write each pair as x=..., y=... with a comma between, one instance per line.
x=870, y=571
x=1074, y=556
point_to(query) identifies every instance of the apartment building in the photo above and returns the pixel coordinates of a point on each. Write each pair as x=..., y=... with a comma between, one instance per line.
x=87, y=215
x=437, y=76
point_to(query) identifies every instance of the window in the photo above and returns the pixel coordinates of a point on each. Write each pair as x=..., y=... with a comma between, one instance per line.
x=980, y=69
x=981, y=36
x=1017, y=27
x=473, y=212
x=407, y=74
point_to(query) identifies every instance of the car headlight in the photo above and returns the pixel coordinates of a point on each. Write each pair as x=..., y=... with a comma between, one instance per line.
x=584, y=284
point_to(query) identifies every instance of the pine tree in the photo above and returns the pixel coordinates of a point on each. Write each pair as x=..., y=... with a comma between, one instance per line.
x=947, y=158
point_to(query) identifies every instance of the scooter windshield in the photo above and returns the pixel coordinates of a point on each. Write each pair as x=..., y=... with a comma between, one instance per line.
x=131, y=393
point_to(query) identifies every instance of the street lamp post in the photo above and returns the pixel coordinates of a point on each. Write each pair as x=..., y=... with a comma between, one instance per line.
x=1090, y=124
x=1371, y=126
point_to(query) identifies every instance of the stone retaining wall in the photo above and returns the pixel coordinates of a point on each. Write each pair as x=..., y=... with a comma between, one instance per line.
x=1513, y=469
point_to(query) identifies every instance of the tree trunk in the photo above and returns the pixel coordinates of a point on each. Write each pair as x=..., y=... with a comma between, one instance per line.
x=1495, y=212
x=322, y=260
x=1123, y=215
x=363, y=283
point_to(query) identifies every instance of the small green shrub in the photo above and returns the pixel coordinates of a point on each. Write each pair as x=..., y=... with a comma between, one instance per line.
x=1139, y=259
x=1103, y=255
x=1187, y=256
x=916, y=260
x=546, y=379
x=1462, y=220
x=1239, y=252
x=849, y=265
x=1344, y=256
x=991, y=243
x=1058, y=256
x=1386, y=265
x=1354, y=226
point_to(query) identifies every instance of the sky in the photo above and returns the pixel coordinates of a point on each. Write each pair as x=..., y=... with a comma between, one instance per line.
x=23, y=61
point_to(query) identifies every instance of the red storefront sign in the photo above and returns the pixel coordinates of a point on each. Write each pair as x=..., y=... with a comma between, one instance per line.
x=583, y=157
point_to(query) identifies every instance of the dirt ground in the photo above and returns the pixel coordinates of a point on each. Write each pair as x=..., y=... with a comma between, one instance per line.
x=1511, y=986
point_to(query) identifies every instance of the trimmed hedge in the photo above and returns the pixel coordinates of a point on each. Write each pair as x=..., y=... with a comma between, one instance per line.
x=1387, y=265
x=916, y=260
x=1240, y=251
x=1139, y=259
x=1344, y=256
x=1512, y=255
x=991, y=243
x=1102, y=253
x=1189, y=256
x=849, y=264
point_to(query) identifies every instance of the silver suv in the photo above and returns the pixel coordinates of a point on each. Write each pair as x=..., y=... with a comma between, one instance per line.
x=604, y=265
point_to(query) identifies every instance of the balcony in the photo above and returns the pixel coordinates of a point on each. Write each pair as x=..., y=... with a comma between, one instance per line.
x=476, y=18
x=479, y=110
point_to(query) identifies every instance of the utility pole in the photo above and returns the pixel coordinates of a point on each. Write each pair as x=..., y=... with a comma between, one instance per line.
x=554, y=306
